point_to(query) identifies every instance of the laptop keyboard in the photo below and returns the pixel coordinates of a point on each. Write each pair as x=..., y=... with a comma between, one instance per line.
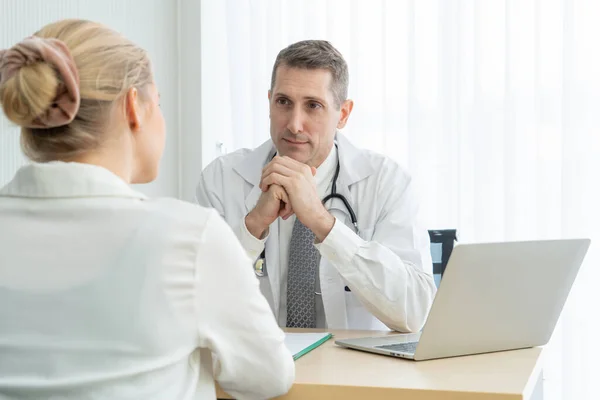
x=409, y=347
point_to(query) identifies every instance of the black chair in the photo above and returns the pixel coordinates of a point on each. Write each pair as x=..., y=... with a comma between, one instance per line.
x=442, y=243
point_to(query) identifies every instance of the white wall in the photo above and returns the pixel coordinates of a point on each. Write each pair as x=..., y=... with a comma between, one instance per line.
x=190, y=95
x=150, y=23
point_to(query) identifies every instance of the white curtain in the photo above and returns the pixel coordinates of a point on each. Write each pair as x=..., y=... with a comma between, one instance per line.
x=493, y=105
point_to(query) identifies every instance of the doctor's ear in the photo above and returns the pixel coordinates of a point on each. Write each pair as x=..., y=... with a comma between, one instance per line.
x=345, y=111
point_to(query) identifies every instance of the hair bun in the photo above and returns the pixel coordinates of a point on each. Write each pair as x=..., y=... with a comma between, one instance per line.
x=39, y=83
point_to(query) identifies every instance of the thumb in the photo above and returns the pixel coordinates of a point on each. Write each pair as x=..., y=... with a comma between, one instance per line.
x=313, y=170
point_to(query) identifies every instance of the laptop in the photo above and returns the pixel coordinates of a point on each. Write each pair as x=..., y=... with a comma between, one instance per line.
x=493, y=297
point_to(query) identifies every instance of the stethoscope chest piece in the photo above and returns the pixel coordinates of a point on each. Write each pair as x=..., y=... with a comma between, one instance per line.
x=259, y=267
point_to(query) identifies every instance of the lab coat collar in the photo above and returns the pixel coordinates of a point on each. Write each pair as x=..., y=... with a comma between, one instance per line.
x=250, y=168
x=354, y=163
x=67, y=179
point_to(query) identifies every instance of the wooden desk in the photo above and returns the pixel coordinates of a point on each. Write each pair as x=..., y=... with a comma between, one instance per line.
x=332, y=372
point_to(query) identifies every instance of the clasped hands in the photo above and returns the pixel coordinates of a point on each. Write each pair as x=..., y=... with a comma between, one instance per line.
x=288, y=188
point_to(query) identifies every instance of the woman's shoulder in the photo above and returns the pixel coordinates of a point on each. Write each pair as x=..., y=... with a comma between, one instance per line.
x=179, y=226
x=181, y=211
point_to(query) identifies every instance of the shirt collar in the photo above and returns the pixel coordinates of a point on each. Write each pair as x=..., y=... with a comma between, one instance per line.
x=326, y=170
x=59, y=179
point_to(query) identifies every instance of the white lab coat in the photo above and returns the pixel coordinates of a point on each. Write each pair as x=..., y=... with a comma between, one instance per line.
x=107, y=294
x=387, y=265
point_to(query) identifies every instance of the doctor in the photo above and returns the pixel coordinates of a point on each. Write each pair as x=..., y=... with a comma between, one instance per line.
x=359, y=259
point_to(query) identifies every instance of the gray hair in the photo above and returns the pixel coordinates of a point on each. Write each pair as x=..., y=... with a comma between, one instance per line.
x=316, y=54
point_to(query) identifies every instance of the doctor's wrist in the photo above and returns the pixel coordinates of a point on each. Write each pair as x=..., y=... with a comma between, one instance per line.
x=323, y=224
x=256, y=226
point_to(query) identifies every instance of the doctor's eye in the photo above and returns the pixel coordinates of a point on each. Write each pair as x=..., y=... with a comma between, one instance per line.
x=282, y=101
x=313, y=105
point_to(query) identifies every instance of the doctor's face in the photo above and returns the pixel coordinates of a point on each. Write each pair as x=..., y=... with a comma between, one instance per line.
x=304, y=114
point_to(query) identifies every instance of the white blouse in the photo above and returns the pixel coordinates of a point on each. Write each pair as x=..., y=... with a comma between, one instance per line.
x=105, y=294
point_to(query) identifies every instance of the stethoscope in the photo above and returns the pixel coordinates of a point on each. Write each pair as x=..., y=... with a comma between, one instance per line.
x=261, y=263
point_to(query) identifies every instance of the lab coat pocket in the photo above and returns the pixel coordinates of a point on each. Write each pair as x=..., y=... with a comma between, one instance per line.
x=358, y=316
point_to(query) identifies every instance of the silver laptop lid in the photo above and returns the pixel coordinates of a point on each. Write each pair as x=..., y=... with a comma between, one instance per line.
x=500, y=296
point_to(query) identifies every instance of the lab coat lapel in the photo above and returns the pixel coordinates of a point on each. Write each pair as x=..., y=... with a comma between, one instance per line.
x=273, y=265
x=252, y=198
x=250, y=168
x=354, y=166
x=332, y=284
x=333, y=296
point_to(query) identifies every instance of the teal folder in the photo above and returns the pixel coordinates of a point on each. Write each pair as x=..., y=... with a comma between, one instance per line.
x=301, y=343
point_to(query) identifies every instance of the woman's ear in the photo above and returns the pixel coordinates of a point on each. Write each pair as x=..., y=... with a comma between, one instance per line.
x=133, y=110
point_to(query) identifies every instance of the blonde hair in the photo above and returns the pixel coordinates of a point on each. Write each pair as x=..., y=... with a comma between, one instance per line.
x=108, y=65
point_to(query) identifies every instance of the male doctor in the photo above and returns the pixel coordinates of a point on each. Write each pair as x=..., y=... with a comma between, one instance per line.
x=316, y=267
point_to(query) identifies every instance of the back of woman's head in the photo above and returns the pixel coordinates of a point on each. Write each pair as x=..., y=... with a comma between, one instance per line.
x=62, y=84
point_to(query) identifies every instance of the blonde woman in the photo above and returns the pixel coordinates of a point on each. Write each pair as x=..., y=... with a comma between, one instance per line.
x=104, y=293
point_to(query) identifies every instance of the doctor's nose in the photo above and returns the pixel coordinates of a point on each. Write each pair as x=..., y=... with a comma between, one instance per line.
x=295, y=123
